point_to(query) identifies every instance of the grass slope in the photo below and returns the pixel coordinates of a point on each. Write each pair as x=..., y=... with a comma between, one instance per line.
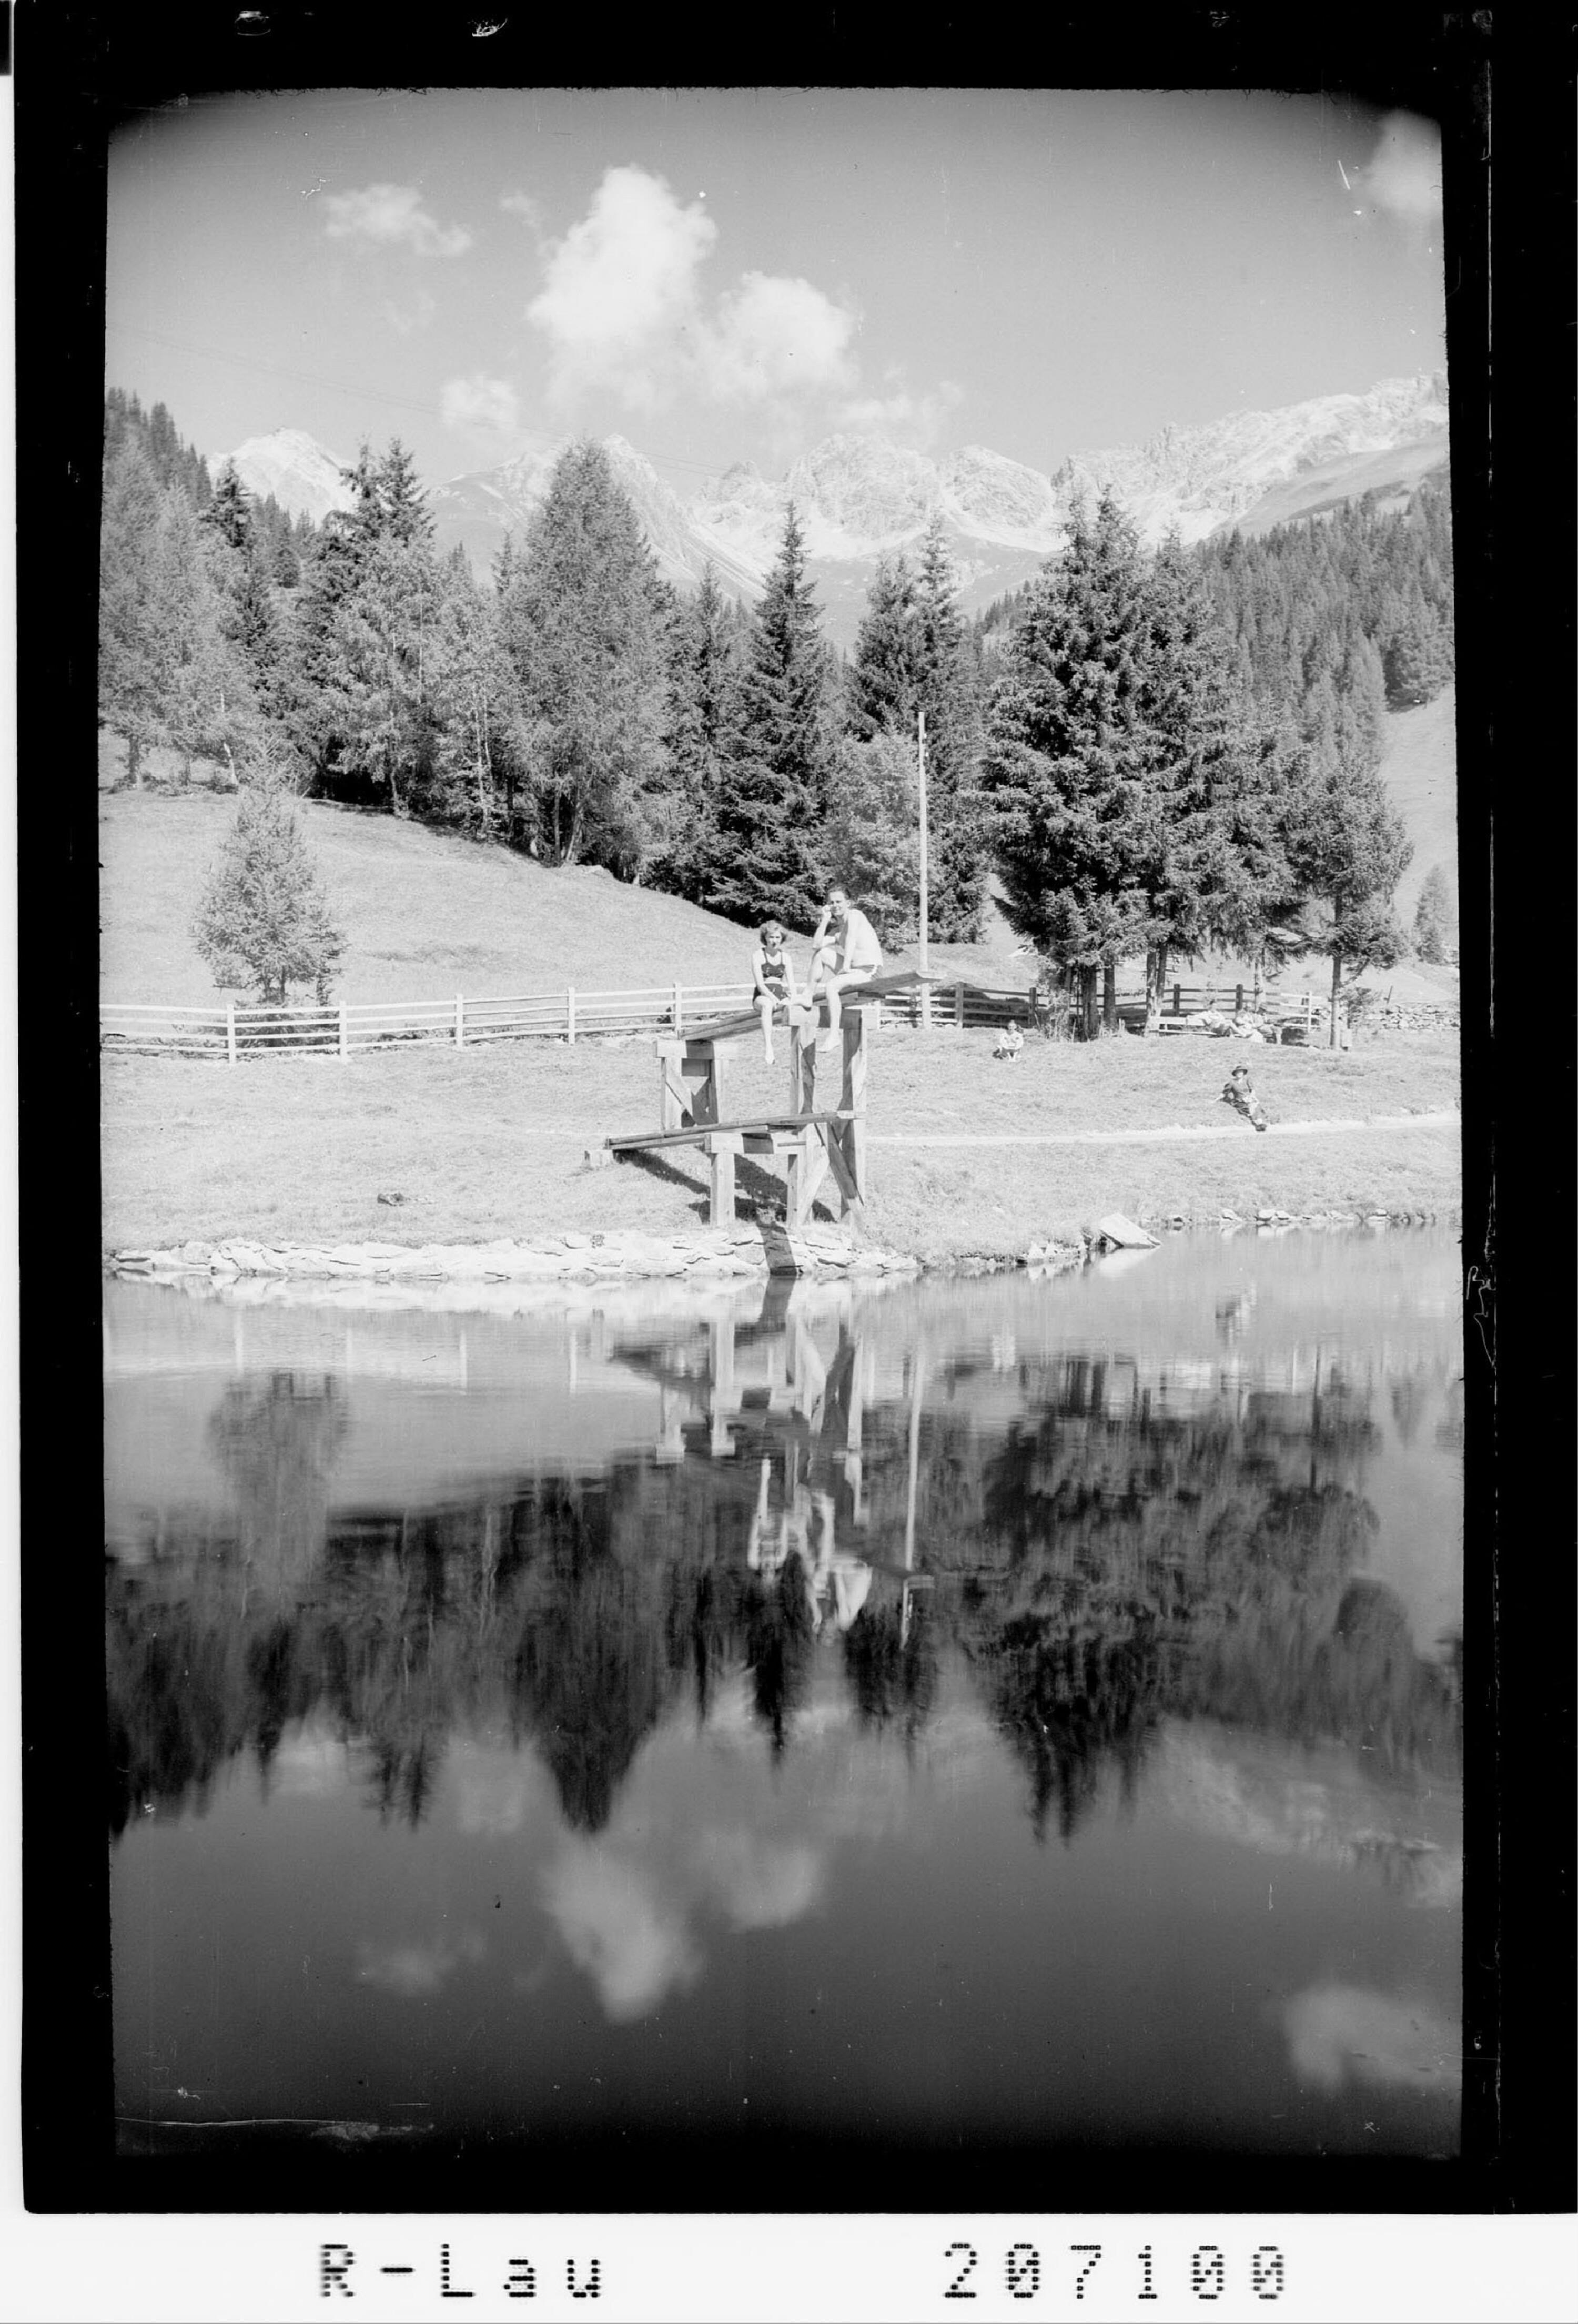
x=1420, y=771
x=427, y=914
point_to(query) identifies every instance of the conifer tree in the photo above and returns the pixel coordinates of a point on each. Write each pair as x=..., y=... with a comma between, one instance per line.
x=1347, y=848
x=1066, y=770
x=263, y=924
x=767, y=851
x=129, y=688
x=952, y=692
x=1435, y=916
x=476, y=703
x=584, y=615
x=703, y=675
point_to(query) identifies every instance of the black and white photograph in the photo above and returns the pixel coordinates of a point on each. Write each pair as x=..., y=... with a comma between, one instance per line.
x=792, y=1344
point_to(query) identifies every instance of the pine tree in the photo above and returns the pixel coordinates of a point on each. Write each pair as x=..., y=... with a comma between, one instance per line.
x=1435, y=916
x=871, y=843
x=1214, y=871
x=884, y=687
x=1347, y=848
x=263, y=923
x=767, y=858
x=952, y=690
x=585, y=613
x=130, y=687
x=1066, y=775
x=703, y=660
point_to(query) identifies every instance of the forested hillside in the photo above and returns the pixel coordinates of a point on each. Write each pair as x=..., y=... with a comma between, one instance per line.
x=1148, y=754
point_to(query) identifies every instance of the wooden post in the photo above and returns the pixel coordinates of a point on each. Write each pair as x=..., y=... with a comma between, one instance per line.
x=345, y=1032
x=721, y=1150
x=678, y=1009
x=1307, y=1019
x=460, y=1020
x=959, y=1006
x=230, y=1030
x=1177, y=1000
x=1238, y=1004
x=570, y=1016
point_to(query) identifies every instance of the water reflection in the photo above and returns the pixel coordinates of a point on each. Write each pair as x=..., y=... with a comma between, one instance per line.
x=1127, y=1548
x=835, y=1572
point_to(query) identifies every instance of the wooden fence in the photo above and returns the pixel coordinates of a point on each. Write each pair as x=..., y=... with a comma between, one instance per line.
x=229, y=1034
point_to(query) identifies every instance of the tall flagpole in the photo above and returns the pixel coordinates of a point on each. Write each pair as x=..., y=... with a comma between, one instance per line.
x=924, y=892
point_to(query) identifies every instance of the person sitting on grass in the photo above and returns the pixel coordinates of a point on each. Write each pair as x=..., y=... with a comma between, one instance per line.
x=1239, y=1091
x=845, y=952
x=773, y=973
x=1010, y=1042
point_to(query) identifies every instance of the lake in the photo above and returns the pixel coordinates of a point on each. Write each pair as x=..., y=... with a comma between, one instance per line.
x=985, y=1715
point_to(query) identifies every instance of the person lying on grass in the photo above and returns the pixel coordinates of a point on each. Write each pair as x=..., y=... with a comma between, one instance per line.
x=1239, y=1091
x=1010, y=1042
x=773, y=973
x=845, y=952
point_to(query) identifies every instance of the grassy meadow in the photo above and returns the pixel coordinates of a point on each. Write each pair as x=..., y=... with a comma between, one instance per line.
x=491, y=1141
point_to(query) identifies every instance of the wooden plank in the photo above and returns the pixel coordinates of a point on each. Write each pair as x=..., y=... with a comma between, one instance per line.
x=698, y=1132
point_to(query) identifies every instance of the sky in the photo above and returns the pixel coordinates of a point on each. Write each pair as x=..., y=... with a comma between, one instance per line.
x=727, y=274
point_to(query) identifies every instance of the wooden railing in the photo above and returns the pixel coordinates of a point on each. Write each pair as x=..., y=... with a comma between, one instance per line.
x=229, y=1033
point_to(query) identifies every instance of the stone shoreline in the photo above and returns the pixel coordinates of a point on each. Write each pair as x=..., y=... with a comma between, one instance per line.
x=707, y=1255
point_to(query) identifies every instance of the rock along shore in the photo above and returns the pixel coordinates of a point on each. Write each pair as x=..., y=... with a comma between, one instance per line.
x=707, y=1255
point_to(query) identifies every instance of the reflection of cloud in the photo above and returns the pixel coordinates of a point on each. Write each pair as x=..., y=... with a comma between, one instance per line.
x=1287, y=1803
x=496, y=1790
x=415, y=1972
x=308, y=1763
x=1337, y=2031
x=634, y=1947
x=392, y=215
x=756, y=1884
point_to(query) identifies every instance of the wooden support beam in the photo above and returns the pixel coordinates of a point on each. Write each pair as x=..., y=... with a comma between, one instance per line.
x=721, y=1146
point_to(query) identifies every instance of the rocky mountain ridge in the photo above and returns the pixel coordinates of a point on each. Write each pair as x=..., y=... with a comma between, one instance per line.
x=861, y=497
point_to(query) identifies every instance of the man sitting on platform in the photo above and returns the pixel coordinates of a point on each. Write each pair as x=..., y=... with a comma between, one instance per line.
x=845, y=953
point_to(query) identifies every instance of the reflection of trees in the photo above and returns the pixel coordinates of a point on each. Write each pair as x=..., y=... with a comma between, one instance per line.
x=891, y=1663
x=1100, y=1562
x=277, y=1444
x=1071, y=1705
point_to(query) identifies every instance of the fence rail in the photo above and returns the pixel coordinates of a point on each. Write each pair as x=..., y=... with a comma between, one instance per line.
x=228, y=1034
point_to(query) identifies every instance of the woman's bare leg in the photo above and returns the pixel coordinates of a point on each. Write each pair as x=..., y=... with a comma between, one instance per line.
x=764, y=1010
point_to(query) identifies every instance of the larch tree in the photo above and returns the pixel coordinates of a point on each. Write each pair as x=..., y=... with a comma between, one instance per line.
x=584, y=612
x=263, y=923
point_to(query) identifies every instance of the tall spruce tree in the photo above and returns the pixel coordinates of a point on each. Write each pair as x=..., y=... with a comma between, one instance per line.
x=1067, y=775
x=767, y=858
x=952, y=692
x=585, y=613
x=1347, y=847
x=704, y=658
x=1216, y=872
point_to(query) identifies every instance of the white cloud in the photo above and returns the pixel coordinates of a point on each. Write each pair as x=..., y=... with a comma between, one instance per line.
x=393, y=216
x=481, y=405
x=913, y=418
x=621, y=290
x=415, y=315
x=777, y=334
x=1403, y=175
x=622, y=310
x=521, y=206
